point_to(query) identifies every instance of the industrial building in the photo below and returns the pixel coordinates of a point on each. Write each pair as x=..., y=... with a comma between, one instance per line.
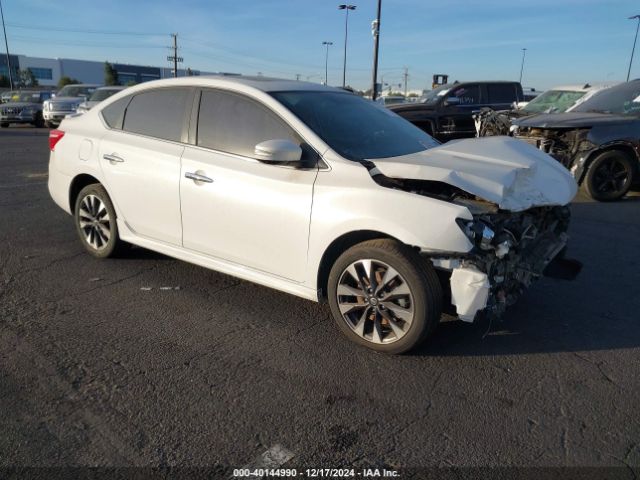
x=48, y=71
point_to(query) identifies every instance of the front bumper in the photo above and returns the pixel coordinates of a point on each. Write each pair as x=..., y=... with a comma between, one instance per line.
x=27, y=118
x=487, y=280
x=56, y=117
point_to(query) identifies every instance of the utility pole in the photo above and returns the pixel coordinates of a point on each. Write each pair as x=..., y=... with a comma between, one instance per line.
x=634, y=44
x=175, y=55
x=345, y=7
x=297, y=77
x=326, y=62
x=524, y=52
x=375, y=30
x=406, y=78
x=6, y=44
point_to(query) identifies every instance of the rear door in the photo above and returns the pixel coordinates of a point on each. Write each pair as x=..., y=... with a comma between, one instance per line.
x=502, y=95
x=248, y=212
x=140, y=158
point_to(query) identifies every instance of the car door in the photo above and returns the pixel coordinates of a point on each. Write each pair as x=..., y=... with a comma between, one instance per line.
x=248, y=212
x=502, y=95
x=140, y=158
x=456, y=111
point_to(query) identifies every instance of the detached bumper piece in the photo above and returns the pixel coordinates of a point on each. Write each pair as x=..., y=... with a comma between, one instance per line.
x=512, y=251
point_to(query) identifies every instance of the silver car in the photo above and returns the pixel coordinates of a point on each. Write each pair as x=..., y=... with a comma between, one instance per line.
x=66, y=102
x=99, y=95
x=24, y=107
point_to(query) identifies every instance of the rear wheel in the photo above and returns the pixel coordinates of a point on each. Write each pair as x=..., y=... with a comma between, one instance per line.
x=384, y=296
x=95, y=220
x=609, y=177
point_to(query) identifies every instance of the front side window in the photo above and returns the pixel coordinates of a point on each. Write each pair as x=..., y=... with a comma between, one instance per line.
x=234, y=124
x=157, y=113
x=465, y=95
x=355, y=128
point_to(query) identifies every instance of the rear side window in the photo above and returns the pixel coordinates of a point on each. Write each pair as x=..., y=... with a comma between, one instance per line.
x=234, y=124
x=114, y=113
x=158, y=113
x=505, y=93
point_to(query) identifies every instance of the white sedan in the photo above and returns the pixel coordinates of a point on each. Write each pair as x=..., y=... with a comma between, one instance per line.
x=316, y=192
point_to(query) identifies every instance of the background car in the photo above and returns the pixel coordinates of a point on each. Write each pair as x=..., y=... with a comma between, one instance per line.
x=598, y=141
x=65, y=102
x=446, y=112
x=98, y=96
x=24, y=107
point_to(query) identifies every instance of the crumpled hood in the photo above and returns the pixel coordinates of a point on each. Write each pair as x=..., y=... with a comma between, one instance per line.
x=508, y=172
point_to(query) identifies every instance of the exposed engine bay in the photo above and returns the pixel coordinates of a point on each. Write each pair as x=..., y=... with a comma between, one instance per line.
x=511, y=249
x=562, y=144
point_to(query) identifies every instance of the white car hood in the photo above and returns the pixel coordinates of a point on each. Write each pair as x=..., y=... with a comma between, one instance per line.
x=508, y=172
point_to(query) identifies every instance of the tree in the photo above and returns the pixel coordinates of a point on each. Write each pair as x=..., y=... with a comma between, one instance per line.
x=66, y=81
x=110, y=74
x=4, y=82
x=26, y=78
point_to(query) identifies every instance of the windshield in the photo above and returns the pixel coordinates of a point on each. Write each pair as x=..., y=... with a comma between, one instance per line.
x=102, y=94
x=622, y=99
x=27, y=97
x=74, y=91
x=553, y=101
x=355, y=128
x=432, y=97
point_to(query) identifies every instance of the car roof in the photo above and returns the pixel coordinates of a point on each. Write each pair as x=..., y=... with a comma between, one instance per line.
x=265, y=84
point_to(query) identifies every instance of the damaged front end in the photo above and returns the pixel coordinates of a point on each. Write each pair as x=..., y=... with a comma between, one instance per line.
x=563, y=144
x=511, y=251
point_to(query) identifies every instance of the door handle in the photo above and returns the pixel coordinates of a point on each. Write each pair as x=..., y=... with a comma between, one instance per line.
x=113, y=158
x=196, y=177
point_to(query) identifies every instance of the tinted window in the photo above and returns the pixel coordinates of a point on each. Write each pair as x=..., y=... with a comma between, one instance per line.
x=114, y=114
x=501, y=93
x=466, y=95
x=158, y=113
x=234, y=124
x=356, y=128
x=623, y=98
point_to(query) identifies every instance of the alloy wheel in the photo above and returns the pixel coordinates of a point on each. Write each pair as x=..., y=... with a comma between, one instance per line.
x=611, y=176
x=94, y=222
x=375, y=301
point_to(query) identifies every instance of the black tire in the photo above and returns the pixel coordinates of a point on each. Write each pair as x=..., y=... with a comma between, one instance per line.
x=418, y=275
x=39, y=120
x=4, y=125
x=92, y=235
x=609, y=176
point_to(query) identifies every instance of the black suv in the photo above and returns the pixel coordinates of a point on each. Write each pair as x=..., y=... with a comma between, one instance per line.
x=447, y=112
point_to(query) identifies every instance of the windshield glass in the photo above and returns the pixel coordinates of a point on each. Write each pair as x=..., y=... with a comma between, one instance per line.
x=622, y=99
x=432, y=97
x=101, y=94
x=74, y=91
x=355, y=128
x=28, y=97
x=553, y=101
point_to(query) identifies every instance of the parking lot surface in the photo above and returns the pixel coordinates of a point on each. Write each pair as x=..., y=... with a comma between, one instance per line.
x=150, y=361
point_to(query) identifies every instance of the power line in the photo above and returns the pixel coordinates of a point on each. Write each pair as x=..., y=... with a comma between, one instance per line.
x=79, y=30
x=40, y=41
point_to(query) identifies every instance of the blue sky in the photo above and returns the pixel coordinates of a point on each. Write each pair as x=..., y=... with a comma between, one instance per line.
x=567, y=41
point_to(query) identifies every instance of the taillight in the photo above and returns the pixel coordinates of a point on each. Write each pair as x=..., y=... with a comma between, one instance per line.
x=54, y=137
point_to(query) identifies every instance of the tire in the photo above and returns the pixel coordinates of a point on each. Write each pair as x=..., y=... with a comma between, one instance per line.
x=4, y=125
x=609, y=176
x=386, y=322
x=50, y=125
x=39, y=121
x=95, y=220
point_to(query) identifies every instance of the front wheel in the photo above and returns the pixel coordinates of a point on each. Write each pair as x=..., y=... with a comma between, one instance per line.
x=384, y=296
x=95, y=220
x=4, y=124
x=609, y=177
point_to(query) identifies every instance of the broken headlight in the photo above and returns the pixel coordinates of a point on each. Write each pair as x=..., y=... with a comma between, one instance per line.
x=478, y=232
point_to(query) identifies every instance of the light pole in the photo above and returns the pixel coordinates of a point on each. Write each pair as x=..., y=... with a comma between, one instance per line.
x=326, y=62
x=6, y=44
x=375, y=30
x=345, y=7
x=634, y=44
x=524, y=52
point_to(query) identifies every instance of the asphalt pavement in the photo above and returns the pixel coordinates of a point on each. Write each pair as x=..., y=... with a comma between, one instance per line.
x=150, y=361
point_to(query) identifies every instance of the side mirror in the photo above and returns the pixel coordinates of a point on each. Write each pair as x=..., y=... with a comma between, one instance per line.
x=452, y=101
x=278, y=151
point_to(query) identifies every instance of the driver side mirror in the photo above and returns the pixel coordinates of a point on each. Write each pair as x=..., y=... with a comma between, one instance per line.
x=278, y=151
